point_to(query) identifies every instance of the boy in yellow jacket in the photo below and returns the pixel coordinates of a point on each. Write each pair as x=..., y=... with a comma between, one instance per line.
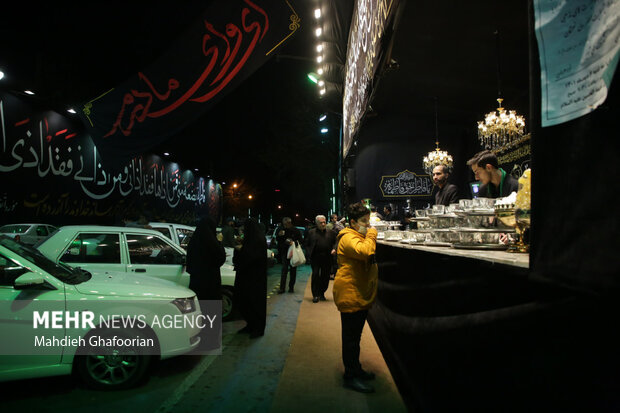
x=355, y=290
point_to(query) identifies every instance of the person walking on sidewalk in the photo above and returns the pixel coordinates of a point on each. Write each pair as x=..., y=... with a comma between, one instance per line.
x=321, y=247
x=355, y=291
x=286, y=236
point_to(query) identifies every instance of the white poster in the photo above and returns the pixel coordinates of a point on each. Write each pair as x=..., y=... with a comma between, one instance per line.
x=578, y=43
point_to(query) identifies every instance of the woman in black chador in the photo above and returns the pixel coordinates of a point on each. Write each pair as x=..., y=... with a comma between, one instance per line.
x=205, y=256
x=250, y=261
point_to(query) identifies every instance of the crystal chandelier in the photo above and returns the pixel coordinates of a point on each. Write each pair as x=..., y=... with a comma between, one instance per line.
x=500, y=130
x=437, y=157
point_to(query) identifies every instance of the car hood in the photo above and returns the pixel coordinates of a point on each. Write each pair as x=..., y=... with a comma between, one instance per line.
x=132, y=285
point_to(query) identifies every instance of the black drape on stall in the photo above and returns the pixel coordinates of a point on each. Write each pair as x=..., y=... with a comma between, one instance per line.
x=575, y=194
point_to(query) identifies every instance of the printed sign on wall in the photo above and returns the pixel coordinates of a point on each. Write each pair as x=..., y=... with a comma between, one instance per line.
x=579, y=47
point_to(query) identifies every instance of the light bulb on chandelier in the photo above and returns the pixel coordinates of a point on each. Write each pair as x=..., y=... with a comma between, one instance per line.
x=436, y=158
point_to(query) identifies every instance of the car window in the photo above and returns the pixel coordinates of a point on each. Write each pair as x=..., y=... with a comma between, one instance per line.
x=60, y=271
x=94, y=248
x=42, y=231
x=9, y=271
x=164, y=230
x=184, y=236
x=14, y=229
x=149, y=249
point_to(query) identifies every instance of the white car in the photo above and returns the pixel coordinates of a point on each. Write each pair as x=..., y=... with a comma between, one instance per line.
x=104, y=250
x=180, y=234
x=29, y=280
x=109, y=250
x=28, y=234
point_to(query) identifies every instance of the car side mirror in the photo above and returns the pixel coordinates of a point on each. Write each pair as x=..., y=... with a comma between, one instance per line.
x=30, y=280
x=74, y=251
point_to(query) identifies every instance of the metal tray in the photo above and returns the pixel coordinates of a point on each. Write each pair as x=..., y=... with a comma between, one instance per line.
x=507, y=230
x=480, y=212
x=498, y=247
x=437, y=244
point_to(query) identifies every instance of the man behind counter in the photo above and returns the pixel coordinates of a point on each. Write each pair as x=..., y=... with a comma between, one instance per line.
x=496, y=183
x=447, y=193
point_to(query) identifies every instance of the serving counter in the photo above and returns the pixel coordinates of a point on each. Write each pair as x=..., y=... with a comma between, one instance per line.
x=465, y=329
x=498, y=257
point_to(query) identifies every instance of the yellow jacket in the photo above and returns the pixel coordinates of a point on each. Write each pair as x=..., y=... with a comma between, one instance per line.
x=355, y=285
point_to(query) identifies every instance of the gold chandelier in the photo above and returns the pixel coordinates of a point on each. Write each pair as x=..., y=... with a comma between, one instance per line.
x=500, y=130
x=436, y=158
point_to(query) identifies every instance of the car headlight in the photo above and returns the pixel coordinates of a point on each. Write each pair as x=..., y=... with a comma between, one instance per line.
x=185, y=305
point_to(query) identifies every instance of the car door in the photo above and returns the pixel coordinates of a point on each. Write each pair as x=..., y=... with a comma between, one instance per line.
x=95, y=252
x=155, y=256
x=16, y=320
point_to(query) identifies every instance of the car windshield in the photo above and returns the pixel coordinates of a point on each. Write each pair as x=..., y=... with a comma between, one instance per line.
x=63, y=272
x=14, y=229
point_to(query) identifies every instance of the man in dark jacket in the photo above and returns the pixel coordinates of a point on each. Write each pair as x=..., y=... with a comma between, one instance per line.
x=447, y=193
x=496, y=183
x=388, y=215
x=286, y=236
x=320, y=247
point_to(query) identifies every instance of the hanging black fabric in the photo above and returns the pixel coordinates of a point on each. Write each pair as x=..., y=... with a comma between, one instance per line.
x=217, y=52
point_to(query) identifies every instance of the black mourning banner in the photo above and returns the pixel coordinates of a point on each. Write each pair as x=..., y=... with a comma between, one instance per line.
x=369, y=34
x=231, y=40
x=406, y=184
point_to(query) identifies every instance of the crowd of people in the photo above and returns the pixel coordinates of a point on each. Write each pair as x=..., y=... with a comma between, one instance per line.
x=342, y=249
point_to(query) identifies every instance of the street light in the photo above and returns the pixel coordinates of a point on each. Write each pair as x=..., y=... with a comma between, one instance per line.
x=314, y=78
x=249, y=196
